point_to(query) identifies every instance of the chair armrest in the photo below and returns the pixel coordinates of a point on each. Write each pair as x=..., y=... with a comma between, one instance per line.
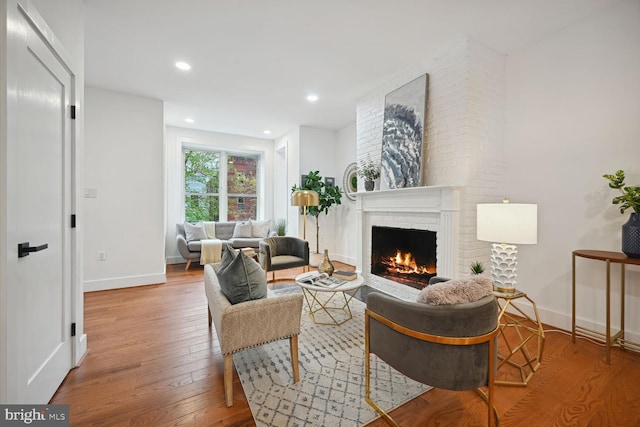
x=264, y=255
x=182, y=246
x=254, y=323
x=302, y=249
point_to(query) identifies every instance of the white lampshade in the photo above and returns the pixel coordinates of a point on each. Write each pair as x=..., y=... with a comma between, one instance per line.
x=508, y=223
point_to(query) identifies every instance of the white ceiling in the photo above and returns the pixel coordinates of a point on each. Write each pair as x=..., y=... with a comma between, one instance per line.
x=254, y=61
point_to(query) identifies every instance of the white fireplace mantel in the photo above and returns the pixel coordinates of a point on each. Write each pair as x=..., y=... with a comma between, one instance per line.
x=441, y=202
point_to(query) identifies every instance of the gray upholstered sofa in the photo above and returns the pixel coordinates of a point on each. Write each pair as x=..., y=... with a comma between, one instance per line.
x=190, y=250
x=251, y=323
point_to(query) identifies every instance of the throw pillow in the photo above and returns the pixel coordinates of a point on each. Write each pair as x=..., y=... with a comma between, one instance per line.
x=458, y=291
x=260, y=228
x=228, y=255
x=241, y=278
x=194, y=231
x=243, y=229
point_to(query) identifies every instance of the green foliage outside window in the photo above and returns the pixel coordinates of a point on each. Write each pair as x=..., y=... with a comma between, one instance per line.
x=201, y=178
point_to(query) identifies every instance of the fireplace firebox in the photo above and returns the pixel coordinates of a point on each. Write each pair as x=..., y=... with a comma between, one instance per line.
x=404, y=255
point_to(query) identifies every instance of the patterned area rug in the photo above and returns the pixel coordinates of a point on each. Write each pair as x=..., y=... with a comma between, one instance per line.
x=331, y=387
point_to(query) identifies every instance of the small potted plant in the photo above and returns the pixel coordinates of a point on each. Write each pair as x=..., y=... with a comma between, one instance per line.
x=370, y=172
x=281, y=226
x=476, y=268
x=629, y=199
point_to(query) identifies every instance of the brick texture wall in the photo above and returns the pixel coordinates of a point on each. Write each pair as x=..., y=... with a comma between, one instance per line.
x=464, y=137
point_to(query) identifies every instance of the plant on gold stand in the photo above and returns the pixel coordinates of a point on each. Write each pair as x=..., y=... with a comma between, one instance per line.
x=328, y=195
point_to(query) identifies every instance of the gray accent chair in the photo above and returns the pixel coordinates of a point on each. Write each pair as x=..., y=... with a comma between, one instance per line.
x=282, y=252
x=445, y=346
x=251, y=324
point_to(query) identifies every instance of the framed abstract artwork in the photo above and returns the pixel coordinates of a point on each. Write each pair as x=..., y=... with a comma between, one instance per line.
x=403, y=134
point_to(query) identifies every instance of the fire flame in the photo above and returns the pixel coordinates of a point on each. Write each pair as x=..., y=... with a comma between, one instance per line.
x=404, y=264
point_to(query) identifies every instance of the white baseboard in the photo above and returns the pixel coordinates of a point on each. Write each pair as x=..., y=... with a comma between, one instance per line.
x=344, y=259
x=563, y=321
x=81, y=349
x=176, y=260
x=124, y=282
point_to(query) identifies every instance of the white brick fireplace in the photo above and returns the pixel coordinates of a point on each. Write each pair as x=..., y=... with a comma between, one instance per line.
x=435, y=208
x=462, y=159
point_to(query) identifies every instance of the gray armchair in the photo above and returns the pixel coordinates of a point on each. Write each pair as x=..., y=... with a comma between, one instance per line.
x=282, y=252
x=446, y=346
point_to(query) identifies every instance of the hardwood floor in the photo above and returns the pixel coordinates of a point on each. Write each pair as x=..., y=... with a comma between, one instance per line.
x=153, y=361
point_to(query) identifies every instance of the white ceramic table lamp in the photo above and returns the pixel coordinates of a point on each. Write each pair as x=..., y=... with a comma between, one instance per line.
x=506, y=225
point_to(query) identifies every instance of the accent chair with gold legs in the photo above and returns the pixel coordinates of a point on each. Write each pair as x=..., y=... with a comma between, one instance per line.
x=250, y=324
x=451, y=347
x=282, y=252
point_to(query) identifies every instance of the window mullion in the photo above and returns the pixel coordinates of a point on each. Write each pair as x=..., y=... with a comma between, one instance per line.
x=222, y=189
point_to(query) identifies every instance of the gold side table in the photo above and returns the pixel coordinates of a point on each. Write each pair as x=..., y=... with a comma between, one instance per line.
x=528, y=332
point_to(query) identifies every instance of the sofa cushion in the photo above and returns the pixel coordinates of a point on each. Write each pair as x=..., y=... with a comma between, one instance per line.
x=241, y=278
x=249, y=242
x=458, y=291
x=194, y=231
x=260, y=228
x=243, y=229
x=224, y=230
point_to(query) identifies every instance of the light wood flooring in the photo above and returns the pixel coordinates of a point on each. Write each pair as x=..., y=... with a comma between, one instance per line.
x=153, y=361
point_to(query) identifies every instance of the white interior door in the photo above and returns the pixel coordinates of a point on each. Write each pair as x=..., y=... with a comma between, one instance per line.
x=39, y=209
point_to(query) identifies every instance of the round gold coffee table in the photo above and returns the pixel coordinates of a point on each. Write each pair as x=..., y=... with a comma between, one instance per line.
x=333, y=302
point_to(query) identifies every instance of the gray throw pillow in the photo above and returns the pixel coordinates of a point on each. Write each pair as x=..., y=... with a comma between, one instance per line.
x=241, y=278
x=194, y=231
x=243, y=229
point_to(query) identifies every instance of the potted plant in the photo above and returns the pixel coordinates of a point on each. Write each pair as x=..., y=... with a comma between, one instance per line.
x=476, y=268
x=281, y=226
x=370, y=172
x=328, y=195
x=629, y=199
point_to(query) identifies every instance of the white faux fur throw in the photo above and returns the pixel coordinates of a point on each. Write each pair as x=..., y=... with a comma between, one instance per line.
x=457, y=291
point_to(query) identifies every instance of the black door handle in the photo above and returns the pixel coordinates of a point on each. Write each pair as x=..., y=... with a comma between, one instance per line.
x=24, y=249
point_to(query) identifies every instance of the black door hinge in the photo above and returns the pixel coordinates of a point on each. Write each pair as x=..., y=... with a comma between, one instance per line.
x=73, y=112
x=73, y=221
x=73, y=329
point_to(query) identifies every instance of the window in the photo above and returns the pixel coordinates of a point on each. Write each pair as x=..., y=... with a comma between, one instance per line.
x=220, y=186
x=201, y=186
x=241, y=187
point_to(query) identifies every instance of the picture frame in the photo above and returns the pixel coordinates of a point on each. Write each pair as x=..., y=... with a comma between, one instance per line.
x=403, y=135
x=303, y=180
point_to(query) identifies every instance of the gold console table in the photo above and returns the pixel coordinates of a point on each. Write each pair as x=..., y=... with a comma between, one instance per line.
x=609, y=340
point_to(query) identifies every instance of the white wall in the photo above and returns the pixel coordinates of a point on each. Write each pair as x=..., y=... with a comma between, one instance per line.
x=176, y=137
x=345, y=227
x=290, y=143
x=317, y=153
x=124, y=163
x=573, y=109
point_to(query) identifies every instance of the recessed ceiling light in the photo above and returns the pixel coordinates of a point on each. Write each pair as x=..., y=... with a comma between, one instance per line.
x=312, y=98
x=266, y=132
x=183, y=66
x=189, y=120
